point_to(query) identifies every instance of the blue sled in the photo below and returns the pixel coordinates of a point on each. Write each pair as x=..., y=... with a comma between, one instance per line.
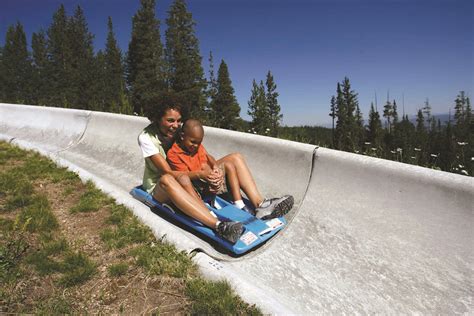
x=256, y=231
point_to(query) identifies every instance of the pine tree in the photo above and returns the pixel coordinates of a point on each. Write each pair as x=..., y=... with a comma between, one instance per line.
x=275, y=116
x=258, y=110
x=394, y=113
x=347, y=126
x=388, y=114
x=427, y=113
x=58, y=70
x=16, y=66
x=2, y=77
x=375, y=131
x=145, y=66
x=40, y=64
x=332, y=114
x=359, y=133
x=114, y=89
x=341, y=122
x=421, y=139
x=225, y=109
x=211, y=91
x=101, y=85
x=463, y=131
x=80, y=41
x=185, y=73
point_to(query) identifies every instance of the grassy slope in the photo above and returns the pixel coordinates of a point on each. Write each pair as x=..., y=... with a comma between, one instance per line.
x=65, y=247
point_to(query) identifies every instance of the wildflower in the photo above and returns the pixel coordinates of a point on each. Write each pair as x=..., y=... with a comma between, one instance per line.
x=399, y=149
x=392, y=151
x=367, y=143
x=462, y=143
x=417, y=149
x=374, y=149
x=413, y=157
x=461, y=166
x=464, y=172
x=434, y=155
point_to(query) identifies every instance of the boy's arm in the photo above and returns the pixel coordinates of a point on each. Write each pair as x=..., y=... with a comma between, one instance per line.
x=177, y=166
x=212, y=162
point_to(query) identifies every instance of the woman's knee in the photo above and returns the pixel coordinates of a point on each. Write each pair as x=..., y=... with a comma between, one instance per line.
x=167, y=181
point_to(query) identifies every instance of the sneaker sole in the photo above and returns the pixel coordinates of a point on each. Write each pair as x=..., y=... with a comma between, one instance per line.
x=281, y=208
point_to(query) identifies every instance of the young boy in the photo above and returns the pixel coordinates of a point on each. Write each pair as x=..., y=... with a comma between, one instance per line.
x=189, y=155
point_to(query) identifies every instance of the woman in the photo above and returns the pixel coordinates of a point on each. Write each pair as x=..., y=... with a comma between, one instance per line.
x=166, y=185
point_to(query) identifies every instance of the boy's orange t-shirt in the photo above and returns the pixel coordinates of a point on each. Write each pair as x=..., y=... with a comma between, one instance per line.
x=180, y=160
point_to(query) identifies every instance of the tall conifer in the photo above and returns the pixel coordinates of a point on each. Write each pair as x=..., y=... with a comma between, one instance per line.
x=145, y=75
x=275, y=116
x=375, y=131
x=224, y=107
x=40, y=63
x=258, y=110
x=115, y=92
x=58, y=69
x=16, y=66
x=185, y=73
x=80, y=41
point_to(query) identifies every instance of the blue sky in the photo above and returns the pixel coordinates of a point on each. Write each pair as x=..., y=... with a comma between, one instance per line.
x=412, y=50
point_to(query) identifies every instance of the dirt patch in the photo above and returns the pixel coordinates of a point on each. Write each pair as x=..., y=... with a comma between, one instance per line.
x=133, y=293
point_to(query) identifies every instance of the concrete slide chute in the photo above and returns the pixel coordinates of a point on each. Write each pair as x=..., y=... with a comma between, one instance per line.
x=365, y=236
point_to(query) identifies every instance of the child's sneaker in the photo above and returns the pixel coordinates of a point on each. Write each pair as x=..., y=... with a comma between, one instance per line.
x=248, y=210
x=276, y=207
x=230, y=230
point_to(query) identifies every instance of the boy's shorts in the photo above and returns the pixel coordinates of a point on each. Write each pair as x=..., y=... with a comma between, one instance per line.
x=202, y=187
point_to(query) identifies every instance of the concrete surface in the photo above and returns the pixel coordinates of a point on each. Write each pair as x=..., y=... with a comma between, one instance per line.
x=365, y=236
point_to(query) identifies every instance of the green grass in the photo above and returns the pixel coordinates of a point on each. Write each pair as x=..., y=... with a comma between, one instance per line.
x=32, y=245
x=118, y=269
x=163, y=259
x=77, y=268
x=91, y=200
x=216, y=298
x=13, y=246
x=40, y=215
x=56, y=305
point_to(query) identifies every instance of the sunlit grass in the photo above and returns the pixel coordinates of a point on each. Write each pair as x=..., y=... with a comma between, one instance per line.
x=216, y=298
x=91, y=200
x=32, y=245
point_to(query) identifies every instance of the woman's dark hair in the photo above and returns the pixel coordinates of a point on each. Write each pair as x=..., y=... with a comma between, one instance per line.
x=156, y=107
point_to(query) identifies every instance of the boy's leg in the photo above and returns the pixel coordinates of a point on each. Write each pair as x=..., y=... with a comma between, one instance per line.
x=232, y=179
x=246, y=181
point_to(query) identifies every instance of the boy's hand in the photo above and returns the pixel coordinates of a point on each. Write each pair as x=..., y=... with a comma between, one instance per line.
x=216, y=178
x=205, y=172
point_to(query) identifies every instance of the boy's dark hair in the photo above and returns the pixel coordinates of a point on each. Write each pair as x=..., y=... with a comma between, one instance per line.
x=155, y=107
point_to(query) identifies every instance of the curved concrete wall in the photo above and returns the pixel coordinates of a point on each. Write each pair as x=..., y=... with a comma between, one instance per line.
x=366, y=235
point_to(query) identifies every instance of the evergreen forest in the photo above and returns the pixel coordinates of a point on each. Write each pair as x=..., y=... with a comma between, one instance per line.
x=63, y=69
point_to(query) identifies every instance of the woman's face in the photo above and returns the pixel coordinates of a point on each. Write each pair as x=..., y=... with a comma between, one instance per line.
x=169, y=123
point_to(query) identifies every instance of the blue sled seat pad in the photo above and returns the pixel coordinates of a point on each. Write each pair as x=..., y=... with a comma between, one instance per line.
x=256, y=231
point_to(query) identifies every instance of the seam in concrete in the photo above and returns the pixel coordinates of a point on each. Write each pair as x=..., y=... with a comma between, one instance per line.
x=81, y=137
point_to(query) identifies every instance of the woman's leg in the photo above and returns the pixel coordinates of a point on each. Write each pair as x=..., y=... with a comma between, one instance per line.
x=246, y=181
x=169, y=189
